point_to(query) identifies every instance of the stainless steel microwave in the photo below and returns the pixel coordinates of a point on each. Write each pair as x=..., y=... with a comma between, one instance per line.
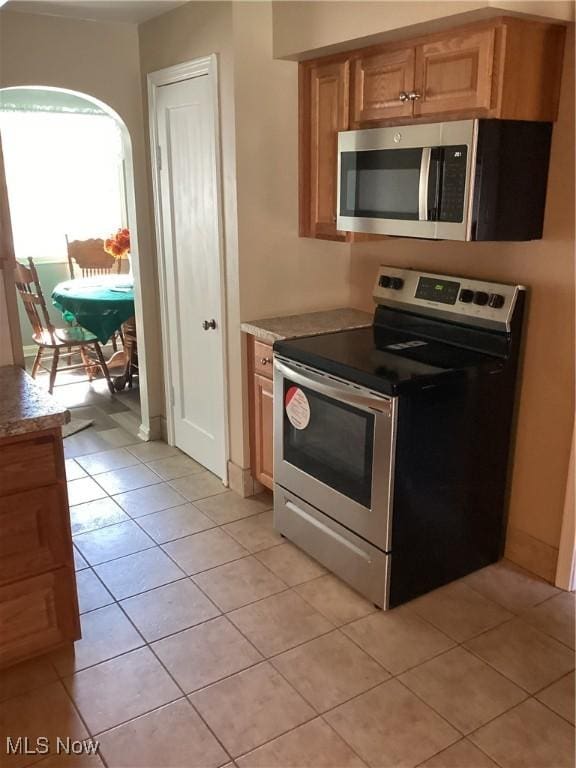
x=459, y=180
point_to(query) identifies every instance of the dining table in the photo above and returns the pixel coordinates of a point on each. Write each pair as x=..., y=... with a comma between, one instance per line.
x=101, y=304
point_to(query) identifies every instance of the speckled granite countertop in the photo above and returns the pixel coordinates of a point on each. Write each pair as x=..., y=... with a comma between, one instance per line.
x=272, y=329
x=25, y=406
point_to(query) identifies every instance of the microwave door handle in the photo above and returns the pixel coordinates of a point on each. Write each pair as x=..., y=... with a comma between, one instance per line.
x=423, y=184
x=333, y=390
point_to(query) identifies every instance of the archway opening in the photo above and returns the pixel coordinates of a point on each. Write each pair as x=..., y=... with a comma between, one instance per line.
x=70, y=180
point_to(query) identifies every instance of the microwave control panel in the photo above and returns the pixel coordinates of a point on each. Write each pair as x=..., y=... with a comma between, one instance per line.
x=453, y=183
x=477, y=302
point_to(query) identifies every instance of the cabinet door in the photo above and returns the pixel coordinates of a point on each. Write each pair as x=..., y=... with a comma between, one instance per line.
x=323, y=112
x=37, y=615
x=454, y=74
x=34, y=532
x=379, y=82
x=263, y=436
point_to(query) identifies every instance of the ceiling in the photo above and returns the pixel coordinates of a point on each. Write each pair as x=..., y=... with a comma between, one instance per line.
x=130, y=11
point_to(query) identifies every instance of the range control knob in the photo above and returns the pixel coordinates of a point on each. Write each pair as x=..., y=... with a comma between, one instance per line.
x=466, y=295
x=496, y=301
x=396, y=283
x=481, y=298
x=384, y=281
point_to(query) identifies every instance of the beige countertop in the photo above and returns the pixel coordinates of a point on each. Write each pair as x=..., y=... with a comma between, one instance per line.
x=25, y=406
x=272, y=329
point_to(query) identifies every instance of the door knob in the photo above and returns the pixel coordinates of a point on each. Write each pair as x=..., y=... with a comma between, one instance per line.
x=207, y=324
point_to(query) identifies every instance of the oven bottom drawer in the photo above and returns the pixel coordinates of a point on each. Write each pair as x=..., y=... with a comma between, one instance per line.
x=354, y=560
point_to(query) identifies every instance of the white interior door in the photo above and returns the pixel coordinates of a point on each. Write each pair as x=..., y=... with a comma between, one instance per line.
x=190, y=231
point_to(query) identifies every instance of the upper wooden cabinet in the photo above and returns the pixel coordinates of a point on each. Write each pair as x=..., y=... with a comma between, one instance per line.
x=454, y=74
x=379, y=79
x=506, y=68
x=324, y=90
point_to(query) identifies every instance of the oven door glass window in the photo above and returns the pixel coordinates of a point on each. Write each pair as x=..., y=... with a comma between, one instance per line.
x=380, y=184
x=335, y=447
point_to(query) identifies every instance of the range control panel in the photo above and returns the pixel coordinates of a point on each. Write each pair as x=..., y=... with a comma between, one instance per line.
x=473, y=302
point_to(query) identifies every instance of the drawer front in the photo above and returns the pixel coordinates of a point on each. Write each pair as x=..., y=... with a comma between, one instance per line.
x=263, y=359
x=354, y=560
x=32, y=463
x=34, y=532
x=37, y=614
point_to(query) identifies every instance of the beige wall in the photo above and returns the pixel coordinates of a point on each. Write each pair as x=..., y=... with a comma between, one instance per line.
x=280, y=273
x=100, y=60
x=546, y=267
x=269, y=270
x=302, y=27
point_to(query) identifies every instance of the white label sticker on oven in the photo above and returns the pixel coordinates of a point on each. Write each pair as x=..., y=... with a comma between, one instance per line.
x=297, y=408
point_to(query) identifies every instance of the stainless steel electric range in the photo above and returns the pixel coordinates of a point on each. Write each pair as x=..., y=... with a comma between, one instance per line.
x=392, y=442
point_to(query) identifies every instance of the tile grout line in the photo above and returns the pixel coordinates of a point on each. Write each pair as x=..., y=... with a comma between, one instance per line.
x=544, y=704
x=176, y=683
x=336, y=628
x=264, y=658
x=456, y=642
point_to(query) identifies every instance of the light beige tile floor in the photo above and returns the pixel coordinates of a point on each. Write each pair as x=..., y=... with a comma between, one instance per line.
x=208, y=638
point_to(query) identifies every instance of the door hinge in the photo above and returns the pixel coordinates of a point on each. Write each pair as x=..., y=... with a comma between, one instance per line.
x=159, y=157
x=172, y=398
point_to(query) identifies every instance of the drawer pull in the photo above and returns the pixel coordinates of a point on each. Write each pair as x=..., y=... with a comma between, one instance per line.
x=265, y=361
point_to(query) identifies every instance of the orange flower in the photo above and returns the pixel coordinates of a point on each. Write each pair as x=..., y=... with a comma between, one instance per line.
x=118, y=244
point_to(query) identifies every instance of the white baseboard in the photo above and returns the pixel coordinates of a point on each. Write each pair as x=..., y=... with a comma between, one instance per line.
x=154, y=431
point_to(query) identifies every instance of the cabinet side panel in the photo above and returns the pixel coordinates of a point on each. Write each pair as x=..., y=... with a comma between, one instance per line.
x=532, y=71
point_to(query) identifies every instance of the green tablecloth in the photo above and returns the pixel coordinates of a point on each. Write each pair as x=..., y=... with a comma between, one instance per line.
x=99, y=304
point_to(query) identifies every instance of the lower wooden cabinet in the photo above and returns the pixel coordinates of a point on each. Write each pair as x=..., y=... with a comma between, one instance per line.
x=35, y=615
x=38, y=600
x=263, y=431
x=32, y=532
x=261, y=411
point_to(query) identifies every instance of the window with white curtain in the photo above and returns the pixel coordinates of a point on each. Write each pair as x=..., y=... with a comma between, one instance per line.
x=64, y=173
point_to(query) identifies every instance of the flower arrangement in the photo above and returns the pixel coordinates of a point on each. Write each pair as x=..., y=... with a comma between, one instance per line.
x=119, y=244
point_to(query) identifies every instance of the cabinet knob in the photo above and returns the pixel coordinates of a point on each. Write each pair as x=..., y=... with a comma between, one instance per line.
x=207, y=324
x=265, y=360
x=409, y=96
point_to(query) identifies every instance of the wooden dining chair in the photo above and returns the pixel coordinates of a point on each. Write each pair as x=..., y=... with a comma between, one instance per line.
x=64, y=342
x=91, y=258
x=131, y=350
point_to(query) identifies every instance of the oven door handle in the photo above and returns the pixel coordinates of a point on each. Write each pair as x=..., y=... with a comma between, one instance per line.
x=335, y=391
x=423, y=184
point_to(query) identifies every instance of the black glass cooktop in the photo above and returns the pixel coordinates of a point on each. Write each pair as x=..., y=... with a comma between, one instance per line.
x=384, y=359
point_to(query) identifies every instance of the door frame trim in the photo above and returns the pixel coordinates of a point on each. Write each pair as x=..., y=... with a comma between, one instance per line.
x=206, y=65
